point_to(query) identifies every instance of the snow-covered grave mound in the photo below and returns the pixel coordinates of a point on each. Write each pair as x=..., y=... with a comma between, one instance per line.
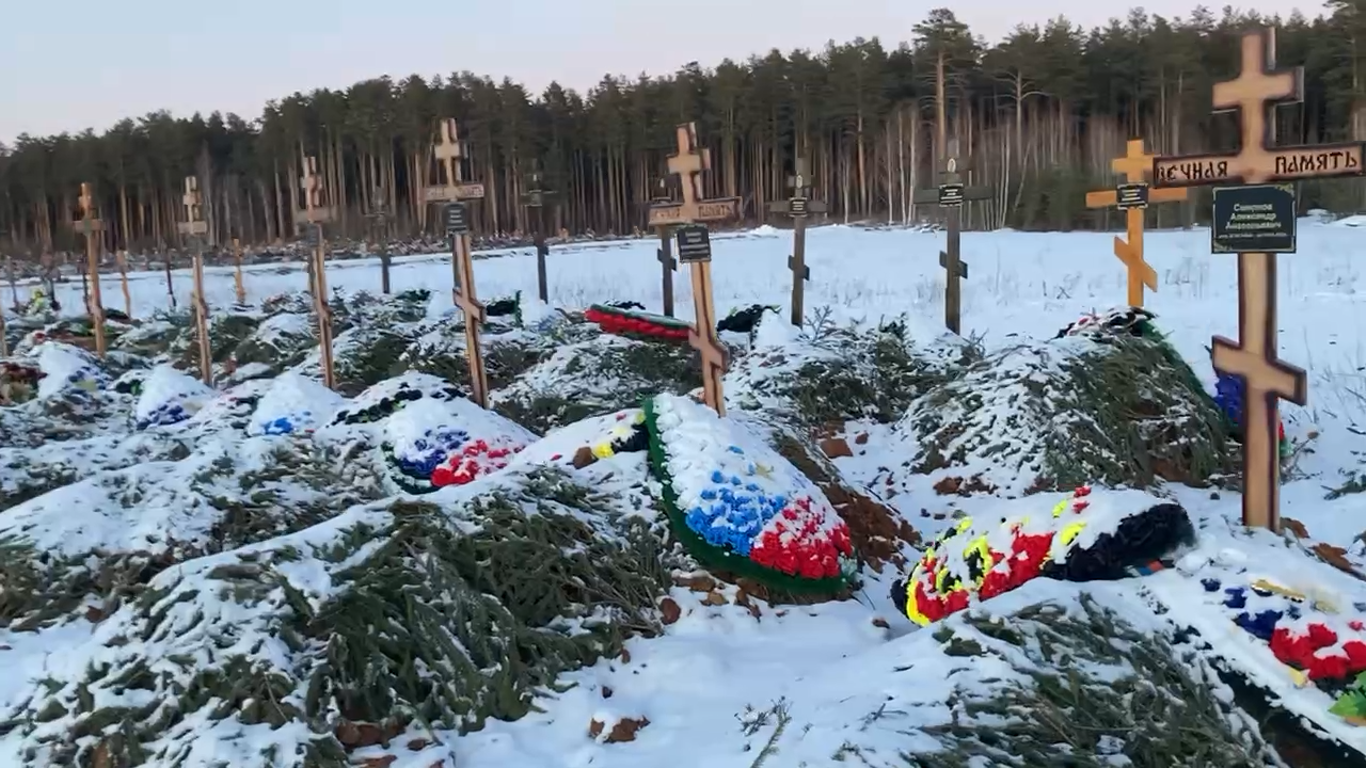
x=1087, y=536
x=168, y=396
x=383, y=623
x=740, y=507
x=66, y=368
x=294, y=404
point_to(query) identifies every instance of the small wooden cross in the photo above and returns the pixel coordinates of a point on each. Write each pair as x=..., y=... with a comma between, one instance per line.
x=448, y=153
x=798, y=206
x=194, y=227
x=379, y=225
x=314, y=215
x=535, y=199
x=1266, y=378
x=687, y=164
x=950, y=195
x=238, y=285
x=1134, y=196
x=664, y=254
x=91, y=226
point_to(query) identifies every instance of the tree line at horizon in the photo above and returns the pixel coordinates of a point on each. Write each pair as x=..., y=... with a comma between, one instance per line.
x=1042, y=113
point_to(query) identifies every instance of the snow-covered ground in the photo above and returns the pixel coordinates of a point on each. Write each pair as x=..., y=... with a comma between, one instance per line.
x=856, y=678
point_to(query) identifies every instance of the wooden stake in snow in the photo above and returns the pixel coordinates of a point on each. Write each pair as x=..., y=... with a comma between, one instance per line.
x=195, y=228
x=448, y=153
x=13, y=284
x=379, y=229
x=91, y=226
x=694, y=249
x=950, y=195
x=799, y=206
x=535, y=199
x=1133, y=197
x=313, y=216
x=1266, y=378
x=238, y=285
x=121, y=258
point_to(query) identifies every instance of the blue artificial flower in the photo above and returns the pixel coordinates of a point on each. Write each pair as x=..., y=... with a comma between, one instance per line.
x=1237, y=598
x=736, y=449
x=717, y=477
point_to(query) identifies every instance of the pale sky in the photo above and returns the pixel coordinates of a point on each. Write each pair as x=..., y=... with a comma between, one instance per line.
x=66, y=65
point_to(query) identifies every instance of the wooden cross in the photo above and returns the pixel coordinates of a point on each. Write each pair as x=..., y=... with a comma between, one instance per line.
x=1266, y=378
x=798, y=206
x=950, y=195
x=91, y=226
x=194, y=228
x=314, y=215
x=13, y=284
x=121, y=258
x=379, y=224
x=535, y=199
x=687, y=164
x=448, y=153
x=664, y=254
x=1133, y=197
x=238, y=285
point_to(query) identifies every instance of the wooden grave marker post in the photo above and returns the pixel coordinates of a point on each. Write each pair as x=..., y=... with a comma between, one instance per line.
x=535, y=199
x=91, y=226
x=121, y=258
x=694, y=249
x=379, y=230
x=664, y=253
x=1133, y=196
x=454, y=192
x=194, y=227
x=798, y=206
x=950, y=195
x=313, y=216
x=1254, y=358
x=13, y=284
x=239, y=287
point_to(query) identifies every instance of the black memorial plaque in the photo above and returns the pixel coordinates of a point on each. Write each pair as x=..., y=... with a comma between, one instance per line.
x=457, y=219
x=950, y=195
x=1255, y=218
x=694, y=244
x=1134, y=195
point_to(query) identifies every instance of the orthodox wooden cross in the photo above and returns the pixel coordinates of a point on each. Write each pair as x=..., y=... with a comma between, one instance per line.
x=314, y=215
x=694, y=248
x=950, y=195
x=91, y=226
x=1132, y=197
x=379, y=227
x=238, y=285
x=1266, y=378
x=799, y=206
x=448, y=153
x=195, y=228
x=535, y=199
x=121, y=258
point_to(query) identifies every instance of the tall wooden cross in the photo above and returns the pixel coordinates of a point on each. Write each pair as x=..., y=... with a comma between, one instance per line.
x=448, y=153
x=1254, y=358
x=950, y=195
x=238, y=286
x=535, y=199
x=195, y=228
x=1132, y=197
x=314, y=215
x=91, y=226
x=798, y=206
x=687, y=164
x=379, y=227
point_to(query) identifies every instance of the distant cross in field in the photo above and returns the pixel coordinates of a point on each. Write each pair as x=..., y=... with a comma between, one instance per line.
x=194, y=228
x=91, y=226
x=950, y=195
x=238, y=286
x=687, y=164
x=535, y=200
x=448, y=152
x=1255, y=360
x=379, y=228
x=798, y=206
x=314, y=216
x=1133, y=197
x=668, y=264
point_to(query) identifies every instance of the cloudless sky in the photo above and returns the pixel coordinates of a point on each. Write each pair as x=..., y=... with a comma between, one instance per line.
x=66, y=65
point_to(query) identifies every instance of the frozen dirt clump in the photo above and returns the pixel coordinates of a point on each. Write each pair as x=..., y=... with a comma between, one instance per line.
x=406, y=613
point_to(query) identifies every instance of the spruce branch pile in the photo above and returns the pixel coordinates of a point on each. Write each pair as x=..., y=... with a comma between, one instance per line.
x=394, y=616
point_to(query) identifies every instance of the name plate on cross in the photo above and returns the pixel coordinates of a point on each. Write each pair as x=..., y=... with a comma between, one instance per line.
x=694, y=244
x=677, y=213
x=951, y=195
x=467, y=190
x=1258, y=218
x=1286, y=164
x=1133, y=195
x=457, y=219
